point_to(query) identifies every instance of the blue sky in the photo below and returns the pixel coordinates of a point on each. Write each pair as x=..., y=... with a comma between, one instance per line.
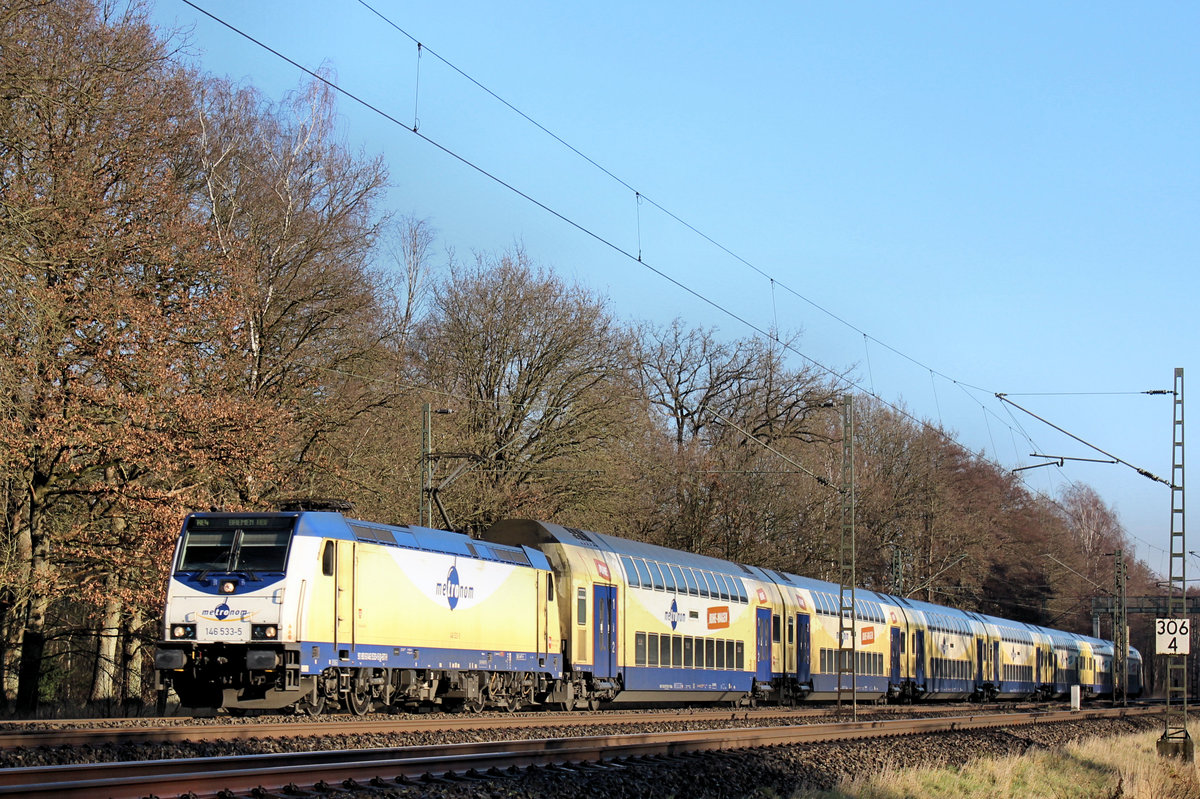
x=1006, y=193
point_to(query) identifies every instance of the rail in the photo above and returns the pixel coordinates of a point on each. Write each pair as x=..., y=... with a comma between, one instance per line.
x=85, y=731
x=205, y=777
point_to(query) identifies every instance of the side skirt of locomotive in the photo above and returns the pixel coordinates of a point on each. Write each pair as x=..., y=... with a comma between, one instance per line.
x=256, y=677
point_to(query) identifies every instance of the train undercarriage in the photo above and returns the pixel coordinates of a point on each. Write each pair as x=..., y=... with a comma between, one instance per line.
x=258, y=678
x=255, y=679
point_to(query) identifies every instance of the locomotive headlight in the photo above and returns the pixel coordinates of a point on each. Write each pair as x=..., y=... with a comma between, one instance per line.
x=264, y=632
x=186, y=631
x=228, y=586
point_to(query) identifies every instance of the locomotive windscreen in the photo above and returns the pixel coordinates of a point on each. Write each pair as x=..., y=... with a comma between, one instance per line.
x=236, y=543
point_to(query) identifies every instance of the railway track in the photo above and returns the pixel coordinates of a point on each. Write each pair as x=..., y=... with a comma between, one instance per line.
x=78, y=732
x=207, y=777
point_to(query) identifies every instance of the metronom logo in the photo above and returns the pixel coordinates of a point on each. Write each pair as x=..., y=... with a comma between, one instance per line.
x=452, y=591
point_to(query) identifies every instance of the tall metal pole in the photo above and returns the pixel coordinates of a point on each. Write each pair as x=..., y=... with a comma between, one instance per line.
x=1175, y=739
x=1120, y=634
x=426, y=513
x=897, y=571
x=847, y=643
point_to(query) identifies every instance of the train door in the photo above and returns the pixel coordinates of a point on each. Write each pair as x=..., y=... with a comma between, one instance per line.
x=803, y=649
x=343, y=609
x=543, y=614
x=980, y=663
x=604, y=630
x=896, y=647
x=919, y=654
x=763, y=645
x=996, y=662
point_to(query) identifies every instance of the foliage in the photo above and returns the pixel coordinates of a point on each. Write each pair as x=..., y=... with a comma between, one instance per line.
x=1126, y=766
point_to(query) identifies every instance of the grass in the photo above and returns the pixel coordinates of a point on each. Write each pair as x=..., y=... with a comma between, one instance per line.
x=1127, y=767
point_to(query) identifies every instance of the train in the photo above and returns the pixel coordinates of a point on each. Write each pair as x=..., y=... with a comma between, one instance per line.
x=307, y=611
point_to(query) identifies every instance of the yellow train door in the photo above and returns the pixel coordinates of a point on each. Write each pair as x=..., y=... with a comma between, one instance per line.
x=343, y=628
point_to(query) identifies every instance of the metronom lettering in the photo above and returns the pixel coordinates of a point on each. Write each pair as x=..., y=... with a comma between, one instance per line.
x=454, y=591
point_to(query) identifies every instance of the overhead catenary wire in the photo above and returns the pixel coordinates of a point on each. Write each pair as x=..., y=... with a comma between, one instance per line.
x=1152, y=391
x=641, y=196
x=836, y=375
x=1138, y=469
x=638, y=258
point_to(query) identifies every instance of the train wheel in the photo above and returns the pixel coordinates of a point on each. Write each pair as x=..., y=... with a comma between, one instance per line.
x=358, y=698
x=307, y=707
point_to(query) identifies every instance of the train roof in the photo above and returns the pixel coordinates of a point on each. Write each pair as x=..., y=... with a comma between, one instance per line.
x=532, y=533
x=326, y=524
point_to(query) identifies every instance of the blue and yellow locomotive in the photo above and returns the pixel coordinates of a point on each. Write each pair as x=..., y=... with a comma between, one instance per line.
x=307, y=610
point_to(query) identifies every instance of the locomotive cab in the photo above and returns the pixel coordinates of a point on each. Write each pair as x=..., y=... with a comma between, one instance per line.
x=225, y=626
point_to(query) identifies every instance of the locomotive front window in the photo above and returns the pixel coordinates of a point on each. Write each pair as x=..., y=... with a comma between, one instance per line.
x=206, y=550
x=263, y=550
x=229, y=544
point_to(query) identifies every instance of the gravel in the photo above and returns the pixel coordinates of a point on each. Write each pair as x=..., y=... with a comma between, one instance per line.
x=770, y=772
x=767, y=772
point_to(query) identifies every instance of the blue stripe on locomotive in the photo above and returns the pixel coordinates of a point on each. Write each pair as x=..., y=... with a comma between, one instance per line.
x=321, y=655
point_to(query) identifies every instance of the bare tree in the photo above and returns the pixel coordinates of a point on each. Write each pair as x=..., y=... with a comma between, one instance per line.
x=689, y=373
x=1093, y=525
x=408, y=241
x=294, y=215
x=542, y=367
x=731, y=409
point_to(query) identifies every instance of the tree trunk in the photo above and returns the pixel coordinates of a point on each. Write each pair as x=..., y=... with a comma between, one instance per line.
x=33, y=646
x=9, y=646
x=34, y=552
x=104, y=673
x=134, y=660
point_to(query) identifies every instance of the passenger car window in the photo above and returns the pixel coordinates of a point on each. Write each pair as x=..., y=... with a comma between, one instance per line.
x=643, y=573
x=631, y=575
x=680, y=585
